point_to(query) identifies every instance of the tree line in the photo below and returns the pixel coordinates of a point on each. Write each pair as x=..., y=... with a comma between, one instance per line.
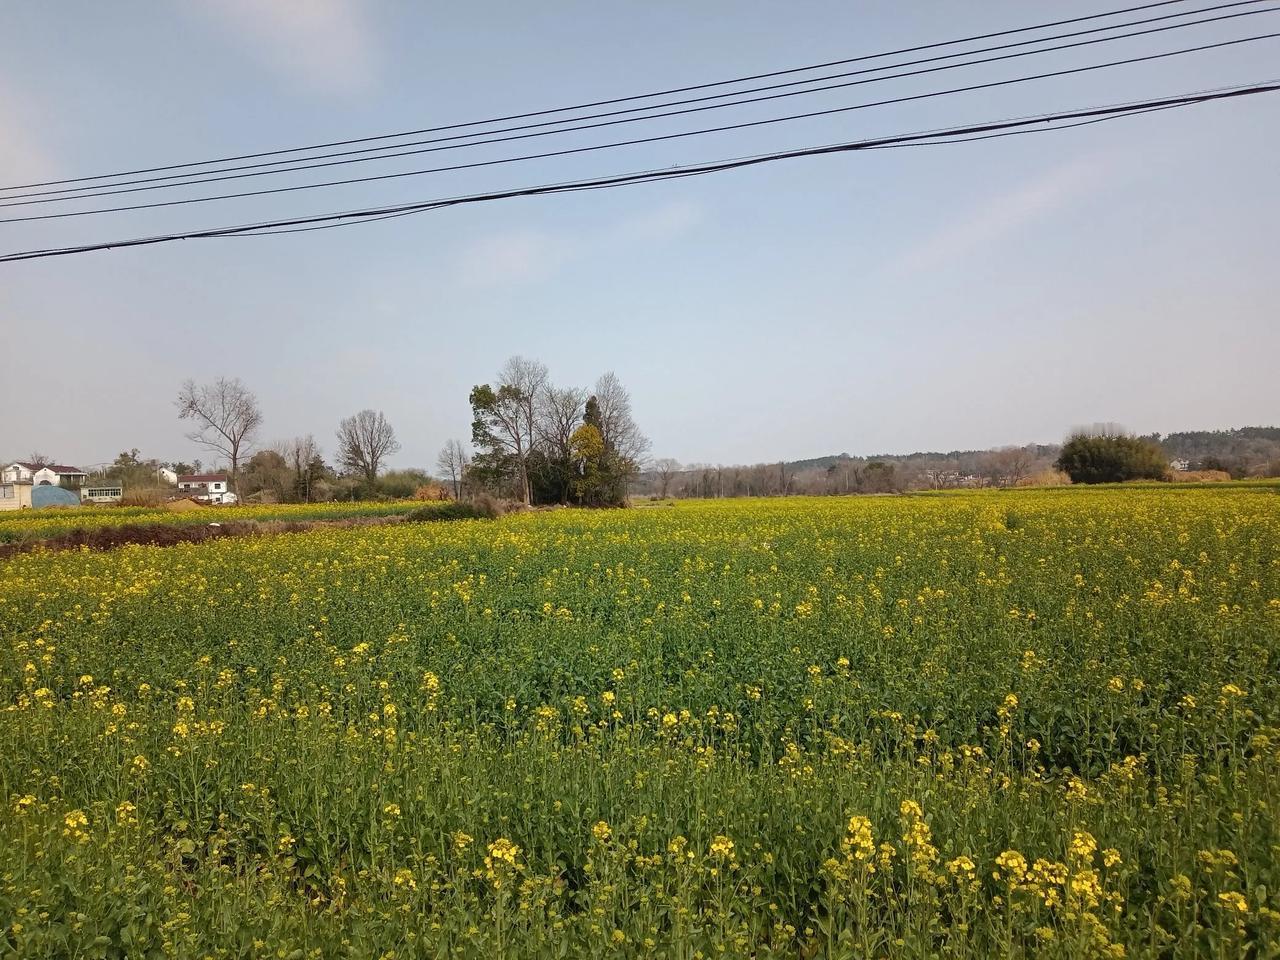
x=844, y=474
x=1101, y=453
x=540, y=443
x=533, y=441
x=226, y=419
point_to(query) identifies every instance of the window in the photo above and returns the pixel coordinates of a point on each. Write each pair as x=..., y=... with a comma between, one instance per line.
x=6, y=491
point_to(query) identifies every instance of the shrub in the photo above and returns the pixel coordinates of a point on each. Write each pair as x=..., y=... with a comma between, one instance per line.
x=483, y=507
x=145, y=497
x=494, y=507
x=1046, y=478
x=1111, y=458
x=431, y=491
x=1199, y=476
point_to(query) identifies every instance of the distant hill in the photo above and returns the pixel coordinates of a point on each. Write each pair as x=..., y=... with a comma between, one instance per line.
x=1241, y=451
x=1037, y=450
x=1253, y=445
x=1261, y=444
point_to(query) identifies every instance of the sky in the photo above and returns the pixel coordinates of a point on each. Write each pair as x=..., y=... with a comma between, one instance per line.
x=937, y=298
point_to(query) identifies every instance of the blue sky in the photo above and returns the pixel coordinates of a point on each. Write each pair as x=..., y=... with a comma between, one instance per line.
x=935, y=298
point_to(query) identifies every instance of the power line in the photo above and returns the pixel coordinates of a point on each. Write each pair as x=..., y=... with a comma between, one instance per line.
x=645, y=140
x=612, y=101
x=678, y=173
x=657, y=175
x=1019, y=133
x=303, y=163
x=184, y=179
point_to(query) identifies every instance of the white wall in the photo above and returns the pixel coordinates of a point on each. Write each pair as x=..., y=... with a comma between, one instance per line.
x=15, y=496
x=14, y=472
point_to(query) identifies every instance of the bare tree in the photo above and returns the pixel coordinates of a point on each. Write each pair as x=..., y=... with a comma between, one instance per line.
x=452, y=463
x=495, y=431
x=37, y=459
x=364, y=441
x=1009, y=465
x=937, y=477
x=617, y=426
x=226, y=415
x=666, y=468
x=504, y=419
x=557, y=414
x=528, y=380
x=302, y=453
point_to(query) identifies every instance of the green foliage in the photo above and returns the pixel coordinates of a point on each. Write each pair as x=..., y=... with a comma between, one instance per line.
x=590, y=466
x=500, y=432
x=268, y=477
x=133, y=473
x=447, y=510
x=599, y=471
x=591, y=416
x=312, y=481
x=550, y=478
x=496, y=471
x=401, y=484
x=1111, y=458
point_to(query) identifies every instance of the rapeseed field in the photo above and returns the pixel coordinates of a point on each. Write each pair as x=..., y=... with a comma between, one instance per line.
x=41, y=524
x=1033, y=723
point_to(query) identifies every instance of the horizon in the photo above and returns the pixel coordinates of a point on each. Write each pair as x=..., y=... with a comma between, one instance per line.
x=215, y=465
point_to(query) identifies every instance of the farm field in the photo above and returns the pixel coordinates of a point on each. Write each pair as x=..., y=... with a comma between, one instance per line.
x=1035, y=723
x=23, y=525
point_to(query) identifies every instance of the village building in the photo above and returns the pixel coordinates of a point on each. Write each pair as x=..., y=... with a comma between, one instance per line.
x=44, y=474
x=15, y=495
x=102, y=493
x=209, y=487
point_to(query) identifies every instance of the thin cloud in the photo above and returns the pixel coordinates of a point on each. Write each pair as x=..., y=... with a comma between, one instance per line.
x=324, y=46
x=513, y=256
x=528, y=256
x=667, y=221
x=22, y=155
x=996, y=219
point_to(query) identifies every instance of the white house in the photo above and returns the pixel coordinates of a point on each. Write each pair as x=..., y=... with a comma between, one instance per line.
x=51, y=474
x=20, y=472
x=1181, y=464
x=211, y=487
x=101, y=493
x=168, y=476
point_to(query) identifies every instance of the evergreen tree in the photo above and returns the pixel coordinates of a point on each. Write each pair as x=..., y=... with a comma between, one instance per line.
x=1111, y=458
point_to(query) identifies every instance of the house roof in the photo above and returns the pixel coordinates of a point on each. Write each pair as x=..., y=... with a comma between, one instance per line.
x=55, y=467
x=202, y=477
